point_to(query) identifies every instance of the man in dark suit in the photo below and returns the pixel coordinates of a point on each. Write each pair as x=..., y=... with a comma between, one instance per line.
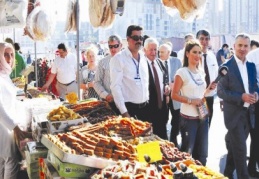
x=171, y=64
x=238, y=89
x=157, y=105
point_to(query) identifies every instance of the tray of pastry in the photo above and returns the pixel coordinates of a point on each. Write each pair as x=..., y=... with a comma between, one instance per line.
x=88, y=152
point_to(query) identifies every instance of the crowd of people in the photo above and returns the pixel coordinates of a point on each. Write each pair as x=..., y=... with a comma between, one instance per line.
x=144, y=81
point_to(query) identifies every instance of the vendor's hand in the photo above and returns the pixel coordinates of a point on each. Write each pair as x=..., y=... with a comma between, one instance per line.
x=126, y=114
x=44, y=88
x=249, y=98
x=21, y=135
x=109, y=98
x=197, y=102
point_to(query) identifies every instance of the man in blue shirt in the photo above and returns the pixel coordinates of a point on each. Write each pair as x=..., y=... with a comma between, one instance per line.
x=222, y=54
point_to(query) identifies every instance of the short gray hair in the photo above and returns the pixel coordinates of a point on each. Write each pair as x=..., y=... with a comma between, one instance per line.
x=243, y=35
x=167, y=46
x=150, y=40
x=114, y=37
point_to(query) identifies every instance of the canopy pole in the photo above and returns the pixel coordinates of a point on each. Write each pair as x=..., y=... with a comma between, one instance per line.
x=78, y=48
x=36, y=64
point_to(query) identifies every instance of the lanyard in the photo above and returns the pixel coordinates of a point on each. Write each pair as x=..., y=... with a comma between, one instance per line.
x=137, y=67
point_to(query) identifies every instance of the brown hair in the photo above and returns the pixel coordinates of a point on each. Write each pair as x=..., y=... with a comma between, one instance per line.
x=188, y=47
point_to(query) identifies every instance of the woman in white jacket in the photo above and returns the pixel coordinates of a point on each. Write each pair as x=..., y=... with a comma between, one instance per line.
x=8, y=128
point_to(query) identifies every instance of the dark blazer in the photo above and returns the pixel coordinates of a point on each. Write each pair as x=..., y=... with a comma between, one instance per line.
x=158, y=117
x=152, y=88
x=230, y=89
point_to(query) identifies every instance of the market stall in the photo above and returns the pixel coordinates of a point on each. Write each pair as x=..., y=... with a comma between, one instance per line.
x=86, y=140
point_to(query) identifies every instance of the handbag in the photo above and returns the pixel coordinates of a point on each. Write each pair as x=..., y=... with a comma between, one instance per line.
x=203, y=110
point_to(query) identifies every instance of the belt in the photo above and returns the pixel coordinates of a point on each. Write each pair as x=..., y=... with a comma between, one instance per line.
x=189, y=117
x=134, y=105
x=67, y=83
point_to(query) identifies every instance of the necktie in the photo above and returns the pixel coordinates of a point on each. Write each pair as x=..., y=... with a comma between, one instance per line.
x=159, y=100
x=206, y=70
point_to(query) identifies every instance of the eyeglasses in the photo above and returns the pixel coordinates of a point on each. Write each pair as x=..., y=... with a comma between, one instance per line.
x=137, y=38
x=114, y=46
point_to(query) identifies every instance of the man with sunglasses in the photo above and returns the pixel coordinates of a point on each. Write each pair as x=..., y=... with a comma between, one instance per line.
x=102, y=80
x=129, y=77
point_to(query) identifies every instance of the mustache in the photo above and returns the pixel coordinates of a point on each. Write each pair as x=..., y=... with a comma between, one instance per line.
x=138, y=43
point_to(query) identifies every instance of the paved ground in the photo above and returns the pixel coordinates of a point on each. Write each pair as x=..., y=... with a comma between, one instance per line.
x=217, y=149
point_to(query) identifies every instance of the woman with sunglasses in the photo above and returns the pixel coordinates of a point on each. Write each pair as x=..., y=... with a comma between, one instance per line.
x=9, y=129
x=88, y=74
x=190, y=89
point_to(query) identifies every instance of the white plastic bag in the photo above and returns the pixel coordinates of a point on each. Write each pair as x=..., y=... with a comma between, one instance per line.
x=40, y=24
x=13, y=13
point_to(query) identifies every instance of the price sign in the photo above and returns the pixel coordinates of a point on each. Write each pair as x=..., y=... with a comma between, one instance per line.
x=150, y=149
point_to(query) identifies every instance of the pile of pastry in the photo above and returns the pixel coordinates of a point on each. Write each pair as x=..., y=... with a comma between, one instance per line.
x=117, y=126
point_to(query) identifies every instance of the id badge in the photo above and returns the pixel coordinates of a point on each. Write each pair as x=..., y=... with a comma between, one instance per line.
x=137, y=81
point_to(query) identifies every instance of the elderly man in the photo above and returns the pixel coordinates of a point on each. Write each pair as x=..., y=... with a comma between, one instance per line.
x=172, y=64
x=102, y=80
x=239, y=92
x=157, y=108
x=129, y=77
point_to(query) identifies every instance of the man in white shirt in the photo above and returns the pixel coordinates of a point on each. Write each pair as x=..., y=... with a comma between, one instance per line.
x=171, y=64
x=210, y=65
x=129, y=77
x=64, y=68
x=102, y=80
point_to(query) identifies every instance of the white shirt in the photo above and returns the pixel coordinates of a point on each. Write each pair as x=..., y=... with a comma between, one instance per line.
x=180, y=54
x=243, y=71
x=7, y=117
x=191, y=90
x=65, y=68
x=253, y=56
x=212, y=67
x=124, y=86
x=159, y=73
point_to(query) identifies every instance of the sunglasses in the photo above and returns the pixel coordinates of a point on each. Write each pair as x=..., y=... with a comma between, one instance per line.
x=114, y=46
x=137, y=38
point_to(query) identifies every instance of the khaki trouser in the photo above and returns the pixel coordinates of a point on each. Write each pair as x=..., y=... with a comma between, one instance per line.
x=63, y=89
